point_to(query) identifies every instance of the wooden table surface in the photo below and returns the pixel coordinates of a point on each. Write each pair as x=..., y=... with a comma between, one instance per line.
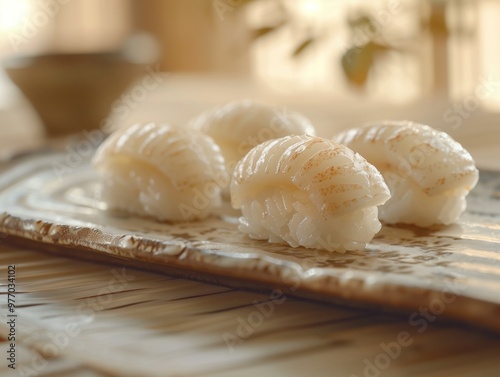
x=76, y=318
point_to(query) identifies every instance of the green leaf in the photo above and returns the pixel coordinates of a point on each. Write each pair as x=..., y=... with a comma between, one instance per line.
x=358, y=61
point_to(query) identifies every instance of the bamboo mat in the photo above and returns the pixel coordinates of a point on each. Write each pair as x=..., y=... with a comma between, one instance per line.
x=82, y=319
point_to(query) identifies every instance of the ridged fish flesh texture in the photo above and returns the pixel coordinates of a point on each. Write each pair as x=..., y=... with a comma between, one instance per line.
x=308, y=191
x=429, y=174
x=240, y=125
x=161, y=171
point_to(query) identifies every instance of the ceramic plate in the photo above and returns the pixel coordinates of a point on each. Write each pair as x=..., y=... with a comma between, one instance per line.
x=447, y=272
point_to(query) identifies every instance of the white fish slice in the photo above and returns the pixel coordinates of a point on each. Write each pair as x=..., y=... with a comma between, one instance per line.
x=239, y=126
x=316, y=194
x=429, y=174
x=161, y=171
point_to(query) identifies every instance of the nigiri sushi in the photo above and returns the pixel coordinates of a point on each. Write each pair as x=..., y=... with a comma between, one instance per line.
x=308, y=191
x=161, y=171
x=429, y=174
x=240, y=125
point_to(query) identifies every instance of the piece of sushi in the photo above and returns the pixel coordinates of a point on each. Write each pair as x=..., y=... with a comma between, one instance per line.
x=308, y=191
x=161, y=171
x=429, y=174
x=240, y=125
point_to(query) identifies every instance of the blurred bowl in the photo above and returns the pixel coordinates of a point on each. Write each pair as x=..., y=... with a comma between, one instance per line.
x=72, y=92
